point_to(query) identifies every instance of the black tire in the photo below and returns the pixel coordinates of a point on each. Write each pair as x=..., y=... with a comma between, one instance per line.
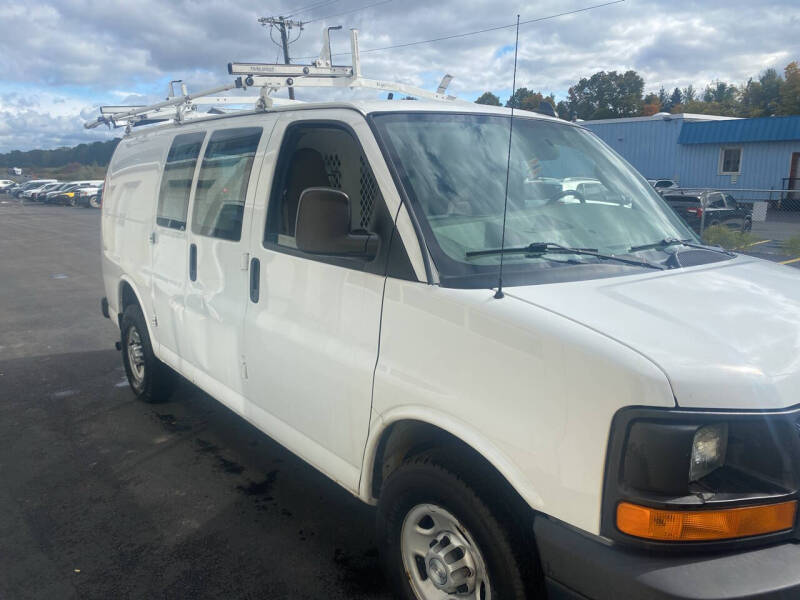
x=94, y=202
x=73, y=202
x=513, y=569
x=151, y=380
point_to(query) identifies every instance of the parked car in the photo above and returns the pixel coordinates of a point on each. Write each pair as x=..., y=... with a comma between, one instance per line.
x=6, y=185
x=48, y=196
x=87, y=195
x=535, y=394
x=709, y=208
x=31, y=185
x=38, y=194
x=585, y=189
x=59, y=196
x=71, y=194
x=663, y=186
x=96, y=201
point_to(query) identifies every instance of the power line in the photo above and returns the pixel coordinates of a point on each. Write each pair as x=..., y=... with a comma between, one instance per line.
x=282, y=24
x=347, y=12
x=310, y=7
x=469, y=33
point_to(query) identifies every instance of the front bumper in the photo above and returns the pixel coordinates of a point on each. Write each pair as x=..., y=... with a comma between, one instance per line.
x=578, y=566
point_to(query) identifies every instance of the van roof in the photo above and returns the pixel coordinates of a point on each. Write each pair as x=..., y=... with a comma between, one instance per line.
x=367, y=107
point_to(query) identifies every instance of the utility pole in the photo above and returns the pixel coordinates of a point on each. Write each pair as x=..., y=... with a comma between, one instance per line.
x=283, y=26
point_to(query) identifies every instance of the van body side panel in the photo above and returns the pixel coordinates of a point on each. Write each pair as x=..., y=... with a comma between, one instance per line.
x=127, y=218
x=210, y=337
x=311, y=340
x=531, y=391
x=170, y=272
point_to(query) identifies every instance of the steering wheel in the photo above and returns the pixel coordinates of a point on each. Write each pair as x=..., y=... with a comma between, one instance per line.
x=564, y=193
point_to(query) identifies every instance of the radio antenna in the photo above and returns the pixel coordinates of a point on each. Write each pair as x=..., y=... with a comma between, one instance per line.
x=499, y=293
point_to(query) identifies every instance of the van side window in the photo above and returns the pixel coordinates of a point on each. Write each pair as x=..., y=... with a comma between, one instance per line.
x=176, y=182
x=222, y=183
x=320, y=156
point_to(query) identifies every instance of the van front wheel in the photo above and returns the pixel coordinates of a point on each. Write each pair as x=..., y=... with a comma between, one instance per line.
x=149, y=378
x=440, y=540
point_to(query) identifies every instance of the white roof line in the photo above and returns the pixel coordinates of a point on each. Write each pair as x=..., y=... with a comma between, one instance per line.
x=660, y=117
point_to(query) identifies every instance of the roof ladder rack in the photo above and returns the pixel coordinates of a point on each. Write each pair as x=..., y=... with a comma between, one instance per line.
x=269, y=77
x=321, y=73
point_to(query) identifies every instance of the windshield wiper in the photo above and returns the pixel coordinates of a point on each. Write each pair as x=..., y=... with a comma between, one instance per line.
x=541, y=248
x=673, y=242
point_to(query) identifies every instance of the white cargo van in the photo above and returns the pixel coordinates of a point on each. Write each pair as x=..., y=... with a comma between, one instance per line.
x=621, y=422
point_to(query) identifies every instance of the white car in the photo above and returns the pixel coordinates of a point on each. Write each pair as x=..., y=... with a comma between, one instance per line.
x=86, y=193
x=35, y=186
x=5, y=184
x=571, y=396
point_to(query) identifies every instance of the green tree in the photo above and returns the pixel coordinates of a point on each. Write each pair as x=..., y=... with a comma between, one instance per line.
x=563, y=110
x=607, y=95
x=662, y=97
x=720, y=92
x=651, y=105
x=98, y=153
x=525, y=99
x=488, y=98
x=689, y=93
x=675, y=98
x=761, y=98
x=789, y=103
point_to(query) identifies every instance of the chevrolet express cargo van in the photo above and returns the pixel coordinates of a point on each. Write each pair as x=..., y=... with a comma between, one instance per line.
x=620, y=421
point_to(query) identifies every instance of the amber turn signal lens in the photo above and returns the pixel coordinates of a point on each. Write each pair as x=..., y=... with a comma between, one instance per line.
x=704, y=525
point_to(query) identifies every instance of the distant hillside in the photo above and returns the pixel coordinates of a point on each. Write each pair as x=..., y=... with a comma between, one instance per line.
x=96, y=154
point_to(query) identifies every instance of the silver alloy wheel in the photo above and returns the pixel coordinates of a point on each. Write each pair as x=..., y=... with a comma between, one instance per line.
x=440, y=557
x=136, y=355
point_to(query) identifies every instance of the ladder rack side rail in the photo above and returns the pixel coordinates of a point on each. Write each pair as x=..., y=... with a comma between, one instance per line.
x=154, y=107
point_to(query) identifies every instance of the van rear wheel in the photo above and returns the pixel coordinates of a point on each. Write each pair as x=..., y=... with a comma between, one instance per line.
x=149, y=378
x=440, y=540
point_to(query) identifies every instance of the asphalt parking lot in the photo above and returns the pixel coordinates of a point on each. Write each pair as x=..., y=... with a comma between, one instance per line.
x=779, y=227
x=102, y=496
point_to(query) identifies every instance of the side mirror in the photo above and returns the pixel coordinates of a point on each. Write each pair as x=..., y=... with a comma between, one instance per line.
x=323, y=226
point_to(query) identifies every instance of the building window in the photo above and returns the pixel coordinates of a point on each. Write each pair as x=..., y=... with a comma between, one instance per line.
x=730, y=161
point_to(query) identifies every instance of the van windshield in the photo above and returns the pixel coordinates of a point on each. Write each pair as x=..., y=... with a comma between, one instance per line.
x=564, y=187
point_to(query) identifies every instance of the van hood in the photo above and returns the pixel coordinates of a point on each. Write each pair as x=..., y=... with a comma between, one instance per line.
x=727, y=335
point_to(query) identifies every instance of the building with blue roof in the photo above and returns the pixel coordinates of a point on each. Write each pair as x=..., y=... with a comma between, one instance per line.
x=703, y=151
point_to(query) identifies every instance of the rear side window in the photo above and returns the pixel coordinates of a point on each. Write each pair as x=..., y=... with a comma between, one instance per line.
x=176, y=183
x=222, y=183
x=716, y=201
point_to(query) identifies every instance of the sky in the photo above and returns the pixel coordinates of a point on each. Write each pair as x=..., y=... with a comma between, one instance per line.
x=60, y=60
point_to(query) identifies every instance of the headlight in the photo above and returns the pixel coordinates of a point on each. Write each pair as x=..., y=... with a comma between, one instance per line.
x=676, y=477
x=708, y=450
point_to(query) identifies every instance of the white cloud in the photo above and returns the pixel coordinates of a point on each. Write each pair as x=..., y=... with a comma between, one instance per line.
x=60, y=59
